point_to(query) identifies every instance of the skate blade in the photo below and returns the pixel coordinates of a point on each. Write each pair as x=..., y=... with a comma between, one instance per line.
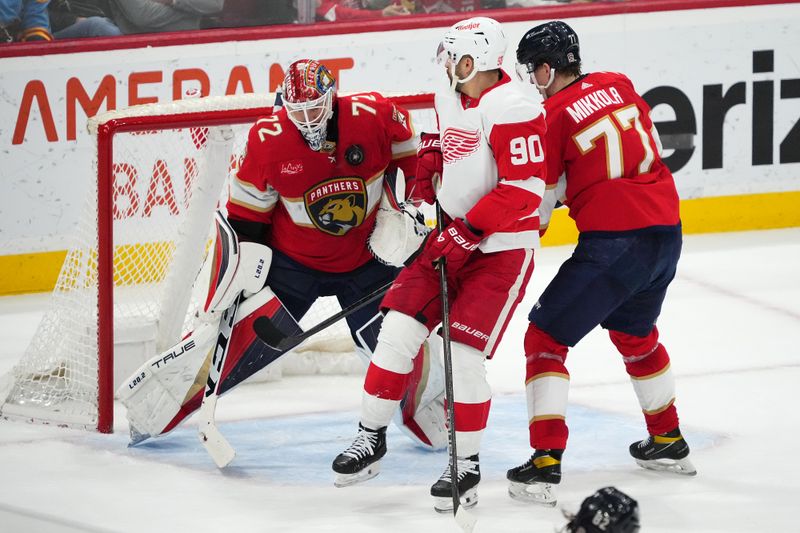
x=445, y=505
x=345, y=480
x=539, y=493
x=683, y=467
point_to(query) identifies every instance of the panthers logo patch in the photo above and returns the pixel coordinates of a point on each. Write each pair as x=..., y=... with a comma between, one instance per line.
x=338, y=205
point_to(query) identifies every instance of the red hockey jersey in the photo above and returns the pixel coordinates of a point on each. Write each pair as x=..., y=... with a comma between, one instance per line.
x=322, y=204
x=601, y=140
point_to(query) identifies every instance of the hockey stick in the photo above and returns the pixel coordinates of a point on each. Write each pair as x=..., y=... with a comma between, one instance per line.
x=214, y=442
x=275, y=338
x=462, y=517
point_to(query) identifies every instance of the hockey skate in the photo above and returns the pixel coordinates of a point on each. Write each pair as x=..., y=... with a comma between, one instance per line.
x=533, y=480
x=469, y=475
x=667, y=452
x=360, y=461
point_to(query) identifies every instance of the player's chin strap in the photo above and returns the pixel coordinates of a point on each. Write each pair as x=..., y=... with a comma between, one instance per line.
x=543, y=88
x=455, y=80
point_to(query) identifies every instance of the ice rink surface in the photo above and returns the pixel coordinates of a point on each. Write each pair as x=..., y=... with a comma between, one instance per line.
x=731, y=324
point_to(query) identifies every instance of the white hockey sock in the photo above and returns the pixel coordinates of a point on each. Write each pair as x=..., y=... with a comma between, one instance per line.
x=384, y=386
x=472, y=397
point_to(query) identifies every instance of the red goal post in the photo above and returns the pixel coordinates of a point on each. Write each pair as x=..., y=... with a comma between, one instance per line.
x=125, y=291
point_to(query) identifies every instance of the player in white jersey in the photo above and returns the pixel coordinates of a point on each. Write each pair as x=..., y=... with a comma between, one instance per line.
x=492, y=184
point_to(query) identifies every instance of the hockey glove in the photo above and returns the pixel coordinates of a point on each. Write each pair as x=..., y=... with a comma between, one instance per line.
x=429, y=167
x=456, y=243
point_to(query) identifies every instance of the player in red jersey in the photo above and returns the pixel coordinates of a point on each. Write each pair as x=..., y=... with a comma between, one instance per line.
x=492, y=183
x=603, y=162
x=309, y=188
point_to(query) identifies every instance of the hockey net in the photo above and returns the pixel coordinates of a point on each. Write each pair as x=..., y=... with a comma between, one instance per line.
x=126, y=289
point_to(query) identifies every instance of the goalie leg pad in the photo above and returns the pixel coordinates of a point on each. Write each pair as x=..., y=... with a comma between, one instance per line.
x=156, y=391
x=169, y=387
x=422, y=415
x=236, y=267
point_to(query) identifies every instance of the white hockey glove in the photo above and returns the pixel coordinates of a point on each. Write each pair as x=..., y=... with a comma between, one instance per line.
x=236, y=268
x=399, y=226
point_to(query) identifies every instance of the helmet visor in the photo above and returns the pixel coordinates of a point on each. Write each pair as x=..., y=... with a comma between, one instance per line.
x=525, y=72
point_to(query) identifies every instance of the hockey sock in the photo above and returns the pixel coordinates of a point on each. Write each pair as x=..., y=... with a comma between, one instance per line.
x=647, y=364
x=472, y=396
x=546, y=389
x=387, y=376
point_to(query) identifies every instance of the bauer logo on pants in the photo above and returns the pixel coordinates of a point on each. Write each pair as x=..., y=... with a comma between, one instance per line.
x=337, y=205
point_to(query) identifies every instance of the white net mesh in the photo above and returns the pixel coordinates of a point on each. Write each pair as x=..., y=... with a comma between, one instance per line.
x=166, y=184
x=162, y=208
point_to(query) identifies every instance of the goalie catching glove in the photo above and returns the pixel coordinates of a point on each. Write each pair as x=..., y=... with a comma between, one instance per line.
x=399, y=226
x=236, y=268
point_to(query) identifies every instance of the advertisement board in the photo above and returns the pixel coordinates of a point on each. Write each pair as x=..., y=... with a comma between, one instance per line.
x=724, y=85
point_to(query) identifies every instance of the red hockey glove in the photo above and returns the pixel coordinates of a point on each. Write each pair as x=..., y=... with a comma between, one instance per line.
x=456, y=243
x=429, y=167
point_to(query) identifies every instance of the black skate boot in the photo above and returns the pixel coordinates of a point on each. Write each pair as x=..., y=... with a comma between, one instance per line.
x=666, y=452
x=360, y=461
x=533, y=480
x=469, y=475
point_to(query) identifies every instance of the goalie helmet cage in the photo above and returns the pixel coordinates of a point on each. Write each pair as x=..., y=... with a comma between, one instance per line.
x=127, y=275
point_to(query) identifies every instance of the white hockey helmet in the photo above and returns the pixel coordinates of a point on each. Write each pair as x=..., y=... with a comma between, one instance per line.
x=481, y=38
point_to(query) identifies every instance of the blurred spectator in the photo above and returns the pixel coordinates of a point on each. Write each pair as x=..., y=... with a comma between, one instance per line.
x=24, y=20
x=71, y=19
x=238, y=13
x=145, y=16
x=451, y=6
x=532, y=3
x=334, y=10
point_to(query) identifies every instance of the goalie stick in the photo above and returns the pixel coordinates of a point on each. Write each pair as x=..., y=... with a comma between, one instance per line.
x=272, y=336
x=213, y=441
x=463, y=518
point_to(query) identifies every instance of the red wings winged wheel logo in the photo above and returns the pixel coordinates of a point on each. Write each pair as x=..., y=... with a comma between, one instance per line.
x=459, y=144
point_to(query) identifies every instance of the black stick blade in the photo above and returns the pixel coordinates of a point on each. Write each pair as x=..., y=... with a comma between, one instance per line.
x=268, y=332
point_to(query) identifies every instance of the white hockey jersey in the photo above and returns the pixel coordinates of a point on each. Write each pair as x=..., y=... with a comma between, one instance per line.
x=494, y=172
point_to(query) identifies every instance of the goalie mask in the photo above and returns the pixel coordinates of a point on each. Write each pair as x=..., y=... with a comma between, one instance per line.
x=308, y=94
x=481, y=38
x=554, y=43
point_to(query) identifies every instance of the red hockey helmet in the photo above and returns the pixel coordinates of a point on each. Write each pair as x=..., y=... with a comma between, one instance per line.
x=308, y=94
